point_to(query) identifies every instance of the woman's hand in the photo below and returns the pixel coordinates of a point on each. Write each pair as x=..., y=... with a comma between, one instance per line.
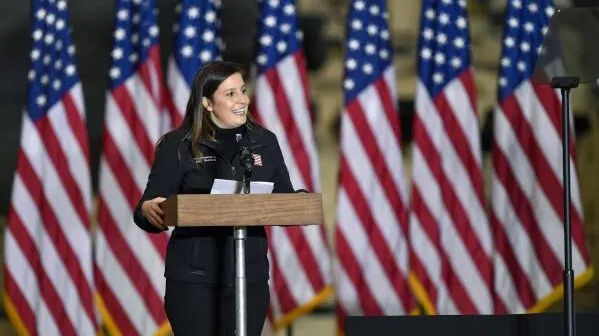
x=151, y=210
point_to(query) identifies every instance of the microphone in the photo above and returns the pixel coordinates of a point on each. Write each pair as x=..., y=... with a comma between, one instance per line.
x=247, y=160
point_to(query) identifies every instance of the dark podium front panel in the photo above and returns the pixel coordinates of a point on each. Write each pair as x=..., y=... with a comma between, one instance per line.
x=546, y=324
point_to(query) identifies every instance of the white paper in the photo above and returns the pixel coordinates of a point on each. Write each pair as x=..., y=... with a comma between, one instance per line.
x=221, y=186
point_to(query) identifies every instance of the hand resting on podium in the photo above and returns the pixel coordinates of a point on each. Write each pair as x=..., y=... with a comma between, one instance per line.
x=152, y=211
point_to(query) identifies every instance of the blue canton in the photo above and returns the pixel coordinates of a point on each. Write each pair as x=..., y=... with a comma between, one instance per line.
x=368, y=50
x=444, y=43
x=526, y=24
x=135, y=33
x=53, y=70
x=197, y=40
x=278, y=33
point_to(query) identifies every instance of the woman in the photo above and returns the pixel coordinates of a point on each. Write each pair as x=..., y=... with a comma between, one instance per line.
x=199, y=270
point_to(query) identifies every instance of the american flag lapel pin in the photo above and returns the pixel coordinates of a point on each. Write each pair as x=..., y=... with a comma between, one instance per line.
x=257, y=159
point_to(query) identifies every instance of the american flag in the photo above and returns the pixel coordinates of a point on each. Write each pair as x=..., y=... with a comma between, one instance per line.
x=526, y=207
x=299, y=257
x=129, y=263
x=197, y=41
x=372, y=252
x=48, y=279
x=449, y=232
x=257, y=160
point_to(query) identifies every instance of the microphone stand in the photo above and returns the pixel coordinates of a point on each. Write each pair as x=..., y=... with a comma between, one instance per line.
x=240, y=235
x=565, y=84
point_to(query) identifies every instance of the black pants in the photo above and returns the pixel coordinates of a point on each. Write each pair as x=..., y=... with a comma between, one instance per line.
x=199, y=309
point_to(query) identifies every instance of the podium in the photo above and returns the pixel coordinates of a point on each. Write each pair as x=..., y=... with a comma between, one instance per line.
x=241, y=211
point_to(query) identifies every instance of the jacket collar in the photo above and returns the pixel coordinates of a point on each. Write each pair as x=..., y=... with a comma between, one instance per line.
x=248, y=140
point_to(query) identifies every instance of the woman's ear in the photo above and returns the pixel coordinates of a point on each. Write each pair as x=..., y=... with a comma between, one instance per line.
x=206, y=103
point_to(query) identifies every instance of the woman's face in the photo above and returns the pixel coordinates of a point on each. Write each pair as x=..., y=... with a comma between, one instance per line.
x=229, y=105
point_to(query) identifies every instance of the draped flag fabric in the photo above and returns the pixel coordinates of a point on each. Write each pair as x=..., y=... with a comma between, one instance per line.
x=526, y=203
x=449, y=231
x=372, y=252
x=48, y=275
x=299, y=257
x=197, y=41
x=129, y=263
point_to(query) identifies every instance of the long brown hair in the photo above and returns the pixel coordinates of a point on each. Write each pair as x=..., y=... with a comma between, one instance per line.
x=205, y=82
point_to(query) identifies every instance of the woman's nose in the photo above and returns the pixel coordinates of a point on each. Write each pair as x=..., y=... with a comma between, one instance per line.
x=243, y=99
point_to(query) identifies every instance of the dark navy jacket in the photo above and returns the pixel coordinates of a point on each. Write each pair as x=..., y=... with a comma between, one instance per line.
x=200, y=254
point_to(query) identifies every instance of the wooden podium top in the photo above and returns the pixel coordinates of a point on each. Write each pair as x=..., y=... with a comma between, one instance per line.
x=243, y=210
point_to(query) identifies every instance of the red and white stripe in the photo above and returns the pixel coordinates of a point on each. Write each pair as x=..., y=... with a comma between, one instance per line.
x=177, y=95
x=449, y=232
x=129, y=262
x=526, y=208
x=299, y=256
x=48, y=247
x=371, y=267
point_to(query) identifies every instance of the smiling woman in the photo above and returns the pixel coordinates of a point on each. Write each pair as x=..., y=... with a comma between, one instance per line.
x=219, y=90
x=229, y=104
x=199, y=263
